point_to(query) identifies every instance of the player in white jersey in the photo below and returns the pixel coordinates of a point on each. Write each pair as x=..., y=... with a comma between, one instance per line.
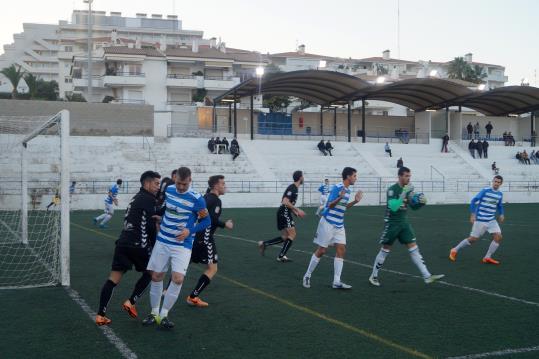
x=185, y=214
x=110, y=200
x=330, y=231
x=324, y=191
x=483, y=208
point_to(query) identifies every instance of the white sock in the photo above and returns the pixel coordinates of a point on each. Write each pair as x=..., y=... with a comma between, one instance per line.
x=312, y=265
x=419, y=262
x=491, y=249
x=156, y=290
x=171, y=296
x=379, y=261
x=337, y=269
x=106, y=219
x=462, y=244
x=99, y=218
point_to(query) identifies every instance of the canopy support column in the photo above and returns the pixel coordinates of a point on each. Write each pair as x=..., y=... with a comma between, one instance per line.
x=349, y=122
x=364, y=134
x=321, y=121
x=229, y=117
x=252, y=119
x=235, y=117
x=335, y=122
x=532, y=129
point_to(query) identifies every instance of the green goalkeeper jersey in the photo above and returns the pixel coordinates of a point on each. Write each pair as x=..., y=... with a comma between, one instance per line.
x=397, y=207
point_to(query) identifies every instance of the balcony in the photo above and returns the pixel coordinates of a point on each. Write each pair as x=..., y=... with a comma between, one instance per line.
x=187, y=81
x=118, y=79
x=220, y=83
x=97, y=81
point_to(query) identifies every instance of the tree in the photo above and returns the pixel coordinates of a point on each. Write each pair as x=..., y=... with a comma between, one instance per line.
x=381, y=70
x=199, y=95
x=458, y=69
x=31, y=82
x=14, y=75
x=76, y=97
x=47, y=90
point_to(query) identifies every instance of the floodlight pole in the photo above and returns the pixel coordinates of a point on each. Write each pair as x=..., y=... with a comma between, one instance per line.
x=364, y=134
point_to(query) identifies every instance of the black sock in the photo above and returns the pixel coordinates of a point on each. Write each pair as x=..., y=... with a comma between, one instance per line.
x=286, y=246
x=203, y=282
x=106, y=294
x=273, y=241
x=140, y=287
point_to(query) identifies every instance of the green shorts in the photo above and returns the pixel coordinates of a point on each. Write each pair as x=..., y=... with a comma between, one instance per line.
x=402, y=231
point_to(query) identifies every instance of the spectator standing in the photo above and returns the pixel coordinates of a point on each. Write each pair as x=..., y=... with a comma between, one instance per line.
x=495, y=169
x=479, y=147
x=489, y=128
x=388, y=149
x=476, y=130
x=485, y=149
x=329, y=147
x=469, y=129
x=211, y=145
x=224, y=141
x=471, y=148
x=322, y=147
x=511, y=139
x=504, y=136
x=445, y=141
x=400, y=163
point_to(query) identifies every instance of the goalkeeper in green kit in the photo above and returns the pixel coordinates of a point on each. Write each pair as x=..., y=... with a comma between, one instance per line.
x=400, y=197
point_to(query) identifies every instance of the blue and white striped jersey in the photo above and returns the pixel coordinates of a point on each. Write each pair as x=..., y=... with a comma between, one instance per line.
x=182, y=210
x=324, y=189
x=335, y=215
x=112, y=194
x=486, y=203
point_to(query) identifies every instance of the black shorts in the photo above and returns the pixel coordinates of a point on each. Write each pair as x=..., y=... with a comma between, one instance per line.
x=284, y=218
x=204, y=250
x=125, y=257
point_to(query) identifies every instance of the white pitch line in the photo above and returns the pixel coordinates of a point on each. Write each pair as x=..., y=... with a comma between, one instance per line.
x=107, y=331
x=498, y=353
x=470, y=289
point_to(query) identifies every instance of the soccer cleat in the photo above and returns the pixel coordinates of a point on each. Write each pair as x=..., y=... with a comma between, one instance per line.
x=433, y=278
x=453, y=255
x=284, y=259
x=166, y=323
x=95, y=221
x=261, y=247
x=341, y=285
x=196, y=302
x=102, y=320
x=130, y=309
x=490, y=261
x=374, y=281
x=151, y=319
x=306, y=282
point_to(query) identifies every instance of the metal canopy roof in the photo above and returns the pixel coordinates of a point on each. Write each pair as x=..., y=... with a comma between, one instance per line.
x=419, y=94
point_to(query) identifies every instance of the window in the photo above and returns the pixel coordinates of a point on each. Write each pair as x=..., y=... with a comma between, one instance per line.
x=68, y=48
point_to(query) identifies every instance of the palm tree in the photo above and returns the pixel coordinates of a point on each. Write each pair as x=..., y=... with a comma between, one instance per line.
x=14, y=75
x=458, y=69
x=479, y=74
x=31, y=82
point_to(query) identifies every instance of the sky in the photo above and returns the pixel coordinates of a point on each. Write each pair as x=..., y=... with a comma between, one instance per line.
x=496, y=31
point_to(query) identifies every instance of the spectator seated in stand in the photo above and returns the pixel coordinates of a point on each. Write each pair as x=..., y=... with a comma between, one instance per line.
x=322, y=147
x=387, y=149
x=533, y=157
x=495, y=169
x=217, y=143
x=329, y=147
x=224, y=141
x=525, y=157
x=234, y=149
x=400, y=163
x=211, y=145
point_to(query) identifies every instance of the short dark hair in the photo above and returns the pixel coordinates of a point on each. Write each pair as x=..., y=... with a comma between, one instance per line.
x=183, y=173
x=173, y=173
x=213, y=180
x=297, y=175
x=149, y=175
x=403, y=170
x=119, y=181
x=499, y=177
x=348, y=171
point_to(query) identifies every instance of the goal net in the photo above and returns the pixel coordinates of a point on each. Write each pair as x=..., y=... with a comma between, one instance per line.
x=34, y=201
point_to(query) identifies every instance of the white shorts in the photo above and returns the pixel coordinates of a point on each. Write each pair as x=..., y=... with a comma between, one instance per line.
x=109, y=208
x=163, y=253
x=328, y=235
x=323, y=199
x=479, y=228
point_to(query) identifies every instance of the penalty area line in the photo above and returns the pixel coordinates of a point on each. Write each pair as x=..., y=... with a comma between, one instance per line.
x=498, y=353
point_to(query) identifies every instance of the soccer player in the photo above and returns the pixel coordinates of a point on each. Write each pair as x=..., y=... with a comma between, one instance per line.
x=324, y=191
x=330, y=231
x=185, y=214
x=400, y=196
x=285, y=221
x=55, y=200
x=110, y=199
x=165, y=182
x=204, y=249
x=133, y=247
x=483, y=208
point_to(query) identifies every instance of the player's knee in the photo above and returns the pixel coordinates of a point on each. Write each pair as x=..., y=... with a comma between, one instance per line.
x=177, y=278
x=497, y=237
x=158, y=277
x=115, y=276
x=320, y=252
x=472, y=239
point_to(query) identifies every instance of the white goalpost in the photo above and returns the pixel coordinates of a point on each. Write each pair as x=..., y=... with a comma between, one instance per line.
x=34, y=201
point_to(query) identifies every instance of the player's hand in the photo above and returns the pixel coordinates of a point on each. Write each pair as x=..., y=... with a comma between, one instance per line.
x=472, y=218
x=501, y=218
x=115, y=202
x=300, y=213
x=157, y=218
x=342, y=193
x=229, y=224
x=422, y=199
x=183, y=235
x=358, y=196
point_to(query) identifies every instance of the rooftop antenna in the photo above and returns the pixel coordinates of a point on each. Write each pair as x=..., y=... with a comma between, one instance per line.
x=398, y=30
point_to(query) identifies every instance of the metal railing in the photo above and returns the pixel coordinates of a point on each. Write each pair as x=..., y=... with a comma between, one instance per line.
x=126, y=73
x=182, y=77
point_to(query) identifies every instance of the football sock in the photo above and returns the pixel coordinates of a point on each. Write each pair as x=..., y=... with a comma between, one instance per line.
x=462, y=244
x=106, y=219
x=379, y=262
x=106, y=294
x=99, y=218
x=491, y=249
x=140, y=287
x=286, y=246
x=156, y=290
x=273, y=241
x=173, y=292
x=203, y=282
x=337, y=269
x=419, y=262
x=312, y=265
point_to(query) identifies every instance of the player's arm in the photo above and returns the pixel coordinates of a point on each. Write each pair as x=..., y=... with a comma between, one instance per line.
x=212, y=205
x=335, y=196
x=357, y=198
x=286, y=202
x=501, y=211
x=321, y=189
x=204, y=219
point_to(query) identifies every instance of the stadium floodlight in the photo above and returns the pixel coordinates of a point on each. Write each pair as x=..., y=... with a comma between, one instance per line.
x=259, y=71
x=380, y=80
x=322, y=64
x=481, y=87
x=433, y=73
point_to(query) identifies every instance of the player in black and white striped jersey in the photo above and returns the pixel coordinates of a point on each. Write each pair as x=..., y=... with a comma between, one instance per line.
x=204, y=249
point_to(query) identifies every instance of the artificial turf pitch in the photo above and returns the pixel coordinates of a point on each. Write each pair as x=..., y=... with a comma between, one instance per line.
x=258, y=308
